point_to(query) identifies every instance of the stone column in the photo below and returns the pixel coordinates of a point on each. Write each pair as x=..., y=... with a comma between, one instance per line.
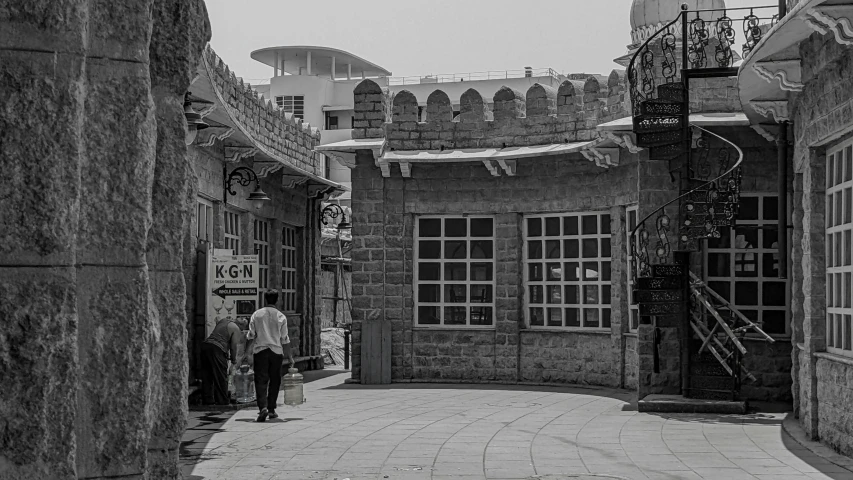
x=42, y=77
x=508, y=295
x=179, y=34
x=814, y=284
x=94, y=347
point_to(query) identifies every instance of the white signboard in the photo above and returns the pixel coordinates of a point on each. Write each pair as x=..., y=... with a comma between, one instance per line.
x=232, y=288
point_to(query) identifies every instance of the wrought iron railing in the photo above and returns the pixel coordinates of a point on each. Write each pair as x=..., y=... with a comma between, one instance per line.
x=696, y=39
x=722, y=192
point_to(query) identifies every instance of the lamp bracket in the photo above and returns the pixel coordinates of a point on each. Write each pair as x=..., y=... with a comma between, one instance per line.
x=241, y=175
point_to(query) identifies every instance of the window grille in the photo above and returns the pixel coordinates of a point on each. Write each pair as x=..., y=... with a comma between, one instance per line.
x=839, y=223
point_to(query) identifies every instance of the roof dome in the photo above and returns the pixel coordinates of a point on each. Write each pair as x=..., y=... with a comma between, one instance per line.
x=647, y=16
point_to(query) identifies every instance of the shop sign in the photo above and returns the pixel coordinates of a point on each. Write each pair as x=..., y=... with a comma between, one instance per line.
x=232, y=288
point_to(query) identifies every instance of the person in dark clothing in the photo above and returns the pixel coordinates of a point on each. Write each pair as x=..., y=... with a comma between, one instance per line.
x=268, y=328
x=223, y=340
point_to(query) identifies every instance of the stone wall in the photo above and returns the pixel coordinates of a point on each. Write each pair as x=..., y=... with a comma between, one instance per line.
x=385, y=210
x=542, y=115
x=834, y=397
x=631, y=362
x=821, y=115
x=93, y=352
x=277, y=132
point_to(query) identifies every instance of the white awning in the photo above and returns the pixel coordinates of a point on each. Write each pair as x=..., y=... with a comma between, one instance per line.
x=337, y=108
x=352, y=145
x=479, y=154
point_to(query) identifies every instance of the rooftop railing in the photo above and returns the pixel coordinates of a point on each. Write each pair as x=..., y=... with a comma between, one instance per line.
x=477, y=76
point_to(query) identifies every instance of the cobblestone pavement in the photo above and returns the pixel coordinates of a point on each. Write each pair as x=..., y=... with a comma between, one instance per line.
x=471, y=432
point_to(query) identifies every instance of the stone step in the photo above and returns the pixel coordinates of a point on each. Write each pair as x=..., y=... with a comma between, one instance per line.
x=671, y=91
x=657, y=139
x=713, y=395
x=643, y=124
x=660, y=283
x=679, y=404
x=661, y=108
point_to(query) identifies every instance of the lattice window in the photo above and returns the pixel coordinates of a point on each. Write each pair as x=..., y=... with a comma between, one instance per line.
x=294, y=104
x=232, y=231
x=262, y=249
x=633, y=310
x=567, y=270
x=839, y=268
x=204, y=220
x=743, y=264
x=288, y=268
x=455, y=272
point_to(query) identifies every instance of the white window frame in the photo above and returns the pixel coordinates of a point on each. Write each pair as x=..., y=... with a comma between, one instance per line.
x=294, y=104
x=839, y=229
x=289, y=268
x=204, y=220
x=231, y=221
x=759, y=278
x=261, y=246
x=600, y=283
x=633, y=309
x=442, y=283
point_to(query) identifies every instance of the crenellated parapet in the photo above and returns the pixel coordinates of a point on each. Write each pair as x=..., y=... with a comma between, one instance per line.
x=542, y=115
x=278, y=133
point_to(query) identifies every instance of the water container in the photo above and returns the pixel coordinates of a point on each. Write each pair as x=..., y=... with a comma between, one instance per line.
x=293, y=393
x=244, y=384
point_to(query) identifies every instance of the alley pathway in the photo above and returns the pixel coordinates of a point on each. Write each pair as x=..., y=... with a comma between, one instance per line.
x=475, y=432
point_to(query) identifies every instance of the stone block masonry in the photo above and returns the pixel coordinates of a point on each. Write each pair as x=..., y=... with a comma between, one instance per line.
x=541, y=116
x=93, y=347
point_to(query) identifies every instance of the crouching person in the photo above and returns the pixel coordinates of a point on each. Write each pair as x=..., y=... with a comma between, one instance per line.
x=268, y=329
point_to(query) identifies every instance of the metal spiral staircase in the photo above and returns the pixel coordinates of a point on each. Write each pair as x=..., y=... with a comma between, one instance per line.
x=666, y=290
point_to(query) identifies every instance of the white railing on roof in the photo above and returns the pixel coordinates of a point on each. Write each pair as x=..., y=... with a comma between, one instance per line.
x=476, y=76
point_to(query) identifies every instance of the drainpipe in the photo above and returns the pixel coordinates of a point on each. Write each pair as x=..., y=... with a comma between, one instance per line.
x=782, y=160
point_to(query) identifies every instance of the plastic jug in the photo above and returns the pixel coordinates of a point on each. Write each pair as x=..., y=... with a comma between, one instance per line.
x=244, y=384
x=293, y=392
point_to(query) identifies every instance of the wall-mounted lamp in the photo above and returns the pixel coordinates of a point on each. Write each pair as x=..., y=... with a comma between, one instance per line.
x=333, y=211
x=245, y=176
x=194, y=121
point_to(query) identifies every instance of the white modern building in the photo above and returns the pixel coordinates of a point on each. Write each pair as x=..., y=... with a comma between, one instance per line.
x=316, y=84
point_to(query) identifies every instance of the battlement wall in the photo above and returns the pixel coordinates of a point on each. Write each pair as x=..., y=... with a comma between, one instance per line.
x=542, y=115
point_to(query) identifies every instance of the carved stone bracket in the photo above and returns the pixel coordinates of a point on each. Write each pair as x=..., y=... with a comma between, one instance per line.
x=206, y=110
x=603, y=157
x=384, y=166
x=263, y=169
x=209, y=136
x=406, y=169
x=234, y=154
x=777, y=108
x=832, y=18
x=508, y=166
x=625, y=140
x=761, y=130
x=292, y=181
x=345, y=159
x=318, y=191
x=787, y=72
x=492, y=167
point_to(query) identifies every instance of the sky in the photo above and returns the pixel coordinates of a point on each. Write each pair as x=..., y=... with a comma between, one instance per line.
x=420, y=37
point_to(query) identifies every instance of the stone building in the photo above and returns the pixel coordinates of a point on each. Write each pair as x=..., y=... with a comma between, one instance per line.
x=624, y=234
x=247, y=136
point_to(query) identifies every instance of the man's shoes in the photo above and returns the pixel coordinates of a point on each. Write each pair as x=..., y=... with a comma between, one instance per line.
x=273, y=414
x=262, y=417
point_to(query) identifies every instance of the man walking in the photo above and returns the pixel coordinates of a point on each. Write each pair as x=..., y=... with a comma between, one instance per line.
x=268, y=328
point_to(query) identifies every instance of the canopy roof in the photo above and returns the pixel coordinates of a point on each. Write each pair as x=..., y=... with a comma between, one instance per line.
x=295, y=57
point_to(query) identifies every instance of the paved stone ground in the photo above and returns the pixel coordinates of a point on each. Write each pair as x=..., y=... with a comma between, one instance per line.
x=475, y=432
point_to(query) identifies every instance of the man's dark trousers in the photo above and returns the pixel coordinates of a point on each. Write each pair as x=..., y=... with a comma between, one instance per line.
x=267, y=378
